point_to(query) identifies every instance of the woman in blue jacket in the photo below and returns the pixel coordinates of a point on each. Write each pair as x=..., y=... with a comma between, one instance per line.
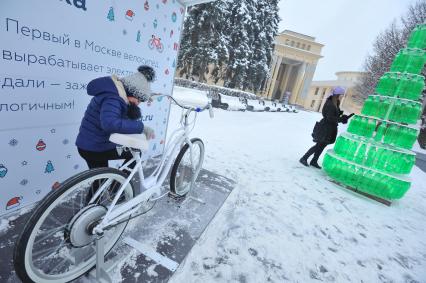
x=113, y=109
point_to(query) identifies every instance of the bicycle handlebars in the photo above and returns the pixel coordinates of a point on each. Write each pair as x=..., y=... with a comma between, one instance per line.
x=198, y=109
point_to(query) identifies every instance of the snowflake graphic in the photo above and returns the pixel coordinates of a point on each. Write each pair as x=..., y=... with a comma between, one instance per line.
x=24, y=163
x=124, y=32
x=13, y=142
x=76, y=167
x=53, y=131
x=38, y=192
x=24, y=182
x=65, y=141
x=68, y=156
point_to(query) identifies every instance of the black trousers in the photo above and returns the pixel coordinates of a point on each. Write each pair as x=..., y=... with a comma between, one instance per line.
x=100, y=159
x=316, y=150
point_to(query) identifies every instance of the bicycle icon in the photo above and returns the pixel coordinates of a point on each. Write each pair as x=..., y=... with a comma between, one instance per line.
x=155, y=42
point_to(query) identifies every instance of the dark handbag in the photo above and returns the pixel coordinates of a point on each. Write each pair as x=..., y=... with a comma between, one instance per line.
x=316, y=130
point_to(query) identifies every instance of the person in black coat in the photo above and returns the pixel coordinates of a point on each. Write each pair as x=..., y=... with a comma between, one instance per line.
x=325, y=131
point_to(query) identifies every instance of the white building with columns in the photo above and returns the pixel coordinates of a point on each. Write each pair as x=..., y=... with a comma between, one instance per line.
x=319, y=91
x=293, y=65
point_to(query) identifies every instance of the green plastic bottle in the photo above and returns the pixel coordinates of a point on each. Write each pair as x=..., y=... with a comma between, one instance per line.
x=380, y=132
x=417, y=37
x=385, y=108
x=366, y=109
x=371, y=157
x=390, y=134
x=410, y=60
x=412, y=138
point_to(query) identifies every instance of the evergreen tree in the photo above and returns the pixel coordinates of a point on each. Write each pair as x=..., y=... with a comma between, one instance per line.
x=229, y=40
x=203, y=42
x=240, y=32
x=264, y=30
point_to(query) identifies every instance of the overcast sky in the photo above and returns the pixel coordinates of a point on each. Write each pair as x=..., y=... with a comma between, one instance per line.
x=347, y=28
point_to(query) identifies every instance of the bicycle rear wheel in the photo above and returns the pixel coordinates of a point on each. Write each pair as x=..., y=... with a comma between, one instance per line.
x=183, y=174
x=56, y=244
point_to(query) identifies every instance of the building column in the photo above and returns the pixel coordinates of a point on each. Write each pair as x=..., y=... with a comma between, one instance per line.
x=274, y=72
x=309, y=75
x=284, y=82
x=299, y=81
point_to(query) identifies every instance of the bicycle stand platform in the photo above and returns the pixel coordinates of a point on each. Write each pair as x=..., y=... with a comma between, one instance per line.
x=156, y=243
x=101, y=274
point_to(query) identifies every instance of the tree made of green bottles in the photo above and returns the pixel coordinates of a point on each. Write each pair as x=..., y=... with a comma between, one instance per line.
x=375, y=155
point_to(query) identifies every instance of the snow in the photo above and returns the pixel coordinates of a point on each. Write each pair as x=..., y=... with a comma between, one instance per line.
x=287, y=222
x=417, y=148
x=7, y=220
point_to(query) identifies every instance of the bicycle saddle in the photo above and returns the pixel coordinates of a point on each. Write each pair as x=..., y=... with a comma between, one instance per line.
x=133, y=141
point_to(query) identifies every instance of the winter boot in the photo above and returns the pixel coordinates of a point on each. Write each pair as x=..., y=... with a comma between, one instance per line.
x=304, y=161
x=315, y=164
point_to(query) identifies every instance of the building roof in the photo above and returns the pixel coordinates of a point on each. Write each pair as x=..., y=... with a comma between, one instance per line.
x=297, y=34
x=333, y=83
x=350, y=72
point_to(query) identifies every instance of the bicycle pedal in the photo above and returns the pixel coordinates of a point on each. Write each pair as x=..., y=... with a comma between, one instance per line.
x=176, y=197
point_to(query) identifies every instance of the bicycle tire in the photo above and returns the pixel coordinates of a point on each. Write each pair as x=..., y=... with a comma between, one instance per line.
x=160, y=48
x=20, y=250
x=173, y=175
x=151, y=44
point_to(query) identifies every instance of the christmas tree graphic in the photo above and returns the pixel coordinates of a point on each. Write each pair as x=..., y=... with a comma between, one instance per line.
x=49, y=167
x=110, y=16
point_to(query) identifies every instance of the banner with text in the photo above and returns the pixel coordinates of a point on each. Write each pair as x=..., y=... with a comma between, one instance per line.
x=49, y=51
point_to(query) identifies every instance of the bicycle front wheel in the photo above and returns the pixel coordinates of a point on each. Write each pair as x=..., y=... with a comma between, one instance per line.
x=57, y=244
x=186, y=167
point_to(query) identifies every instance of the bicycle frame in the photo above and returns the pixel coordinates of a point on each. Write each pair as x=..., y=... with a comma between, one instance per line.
x=150, y=186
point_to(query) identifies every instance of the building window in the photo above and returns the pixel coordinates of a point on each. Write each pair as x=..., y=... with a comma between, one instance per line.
x=309, y=47
x=303, y=46
x=324, y=91
x=287, y=42
x=298, y=44
x=312, y=103
x=292, y=43
x=316, y=91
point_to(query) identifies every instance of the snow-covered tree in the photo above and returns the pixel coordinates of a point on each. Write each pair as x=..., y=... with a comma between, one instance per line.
x=229, y=40
x=265, y=29
x=385, y=48
x=203, y=41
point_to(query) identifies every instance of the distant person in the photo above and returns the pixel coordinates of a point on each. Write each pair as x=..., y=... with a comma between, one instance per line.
x=113, y=109
x=325, y=131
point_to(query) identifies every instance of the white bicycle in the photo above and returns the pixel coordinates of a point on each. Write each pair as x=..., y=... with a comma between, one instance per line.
x=76, y=225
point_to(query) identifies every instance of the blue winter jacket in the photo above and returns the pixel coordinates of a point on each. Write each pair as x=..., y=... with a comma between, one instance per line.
x=106, y=114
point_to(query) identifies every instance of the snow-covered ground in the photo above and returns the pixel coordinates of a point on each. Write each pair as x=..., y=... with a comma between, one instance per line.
x=286, y=222
x=417, y=148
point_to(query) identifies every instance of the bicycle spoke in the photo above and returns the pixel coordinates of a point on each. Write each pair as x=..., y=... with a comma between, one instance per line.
x=50, y=233
x=48, y=253
x=55, y=249
x=61, y=263
x=54, y=219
